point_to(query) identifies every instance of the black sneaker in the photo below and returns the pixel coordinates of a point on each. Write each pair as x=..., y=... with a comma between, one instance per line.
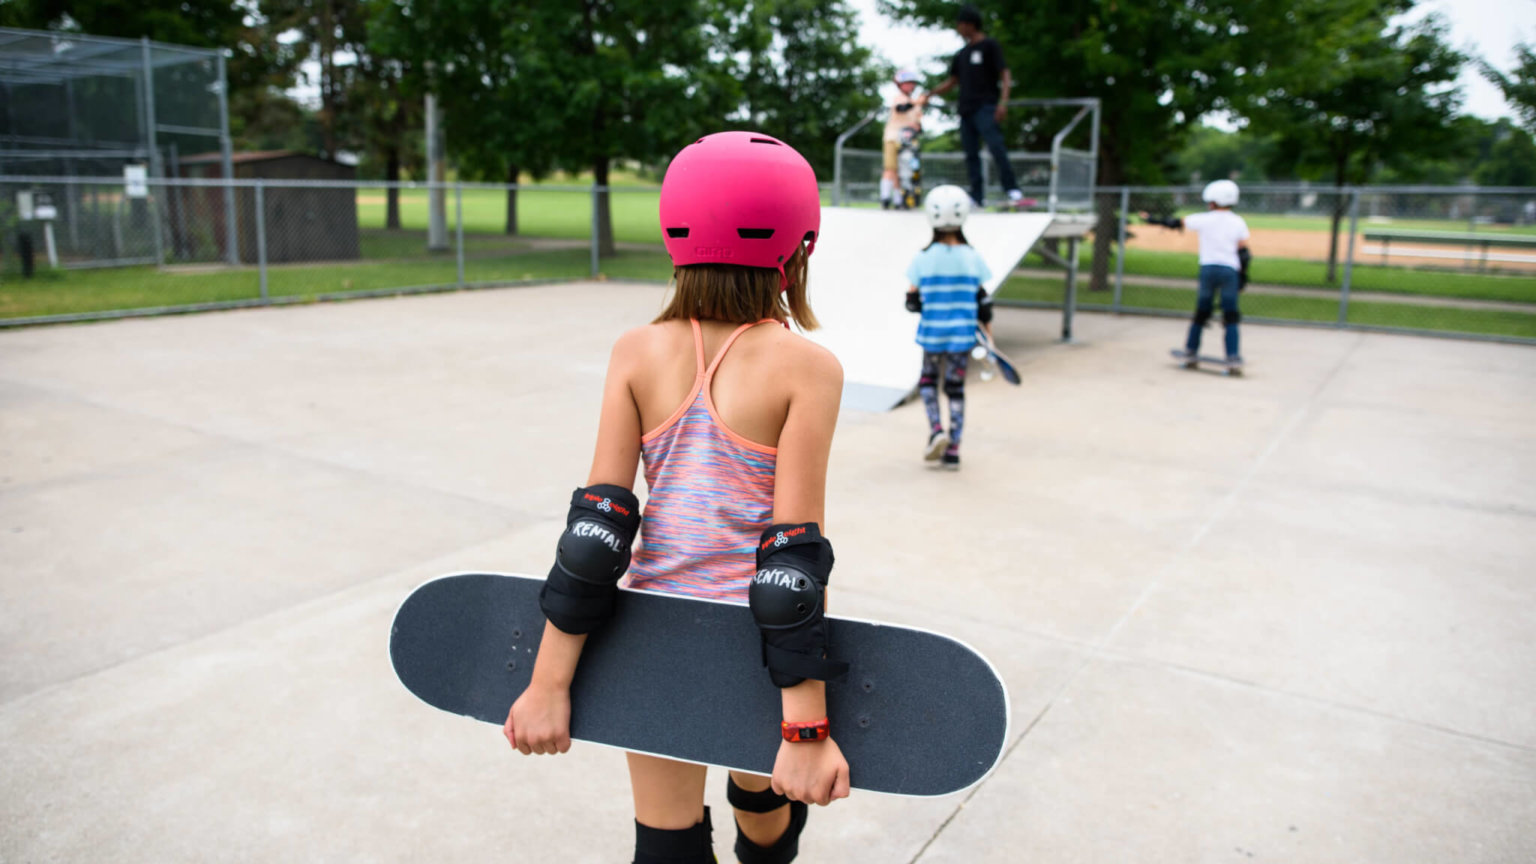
x=936, y=444
x=950, y=460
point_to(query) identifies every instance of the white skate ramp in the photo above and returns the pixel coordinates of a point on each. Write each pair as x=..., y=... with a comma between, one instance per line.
x=858, y=281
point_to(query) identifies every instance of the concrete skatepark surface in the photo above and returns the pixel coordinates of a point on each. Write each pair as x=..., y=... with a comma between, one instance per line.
x=1287, y=617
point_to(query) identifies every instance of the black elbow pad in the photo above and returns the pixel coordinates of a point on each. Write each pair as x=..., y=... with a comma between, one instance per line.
x=593, y=553
x=787, y=596
x=983, y=306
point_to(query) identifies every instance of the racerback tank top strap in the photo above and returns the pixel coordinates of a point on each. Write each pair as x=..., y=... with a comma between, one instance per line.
x=710, y=494
x=698, y=345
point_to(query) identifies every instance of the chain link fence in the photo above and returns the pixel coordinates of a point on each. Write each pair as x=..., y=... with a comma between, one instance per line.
x=1451, y=261
x=1441, y=260
x=85, y=248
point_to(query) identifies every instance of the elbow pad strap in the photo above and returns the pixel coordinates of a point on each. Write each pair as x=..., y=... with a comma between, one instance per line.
x=983, y=306
x=1243, y=258
x=593, y=553
x=787, y=596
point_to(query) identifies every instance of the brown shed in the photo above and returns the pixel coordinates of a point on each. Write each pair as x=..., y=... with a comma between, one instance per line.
x=303, y=223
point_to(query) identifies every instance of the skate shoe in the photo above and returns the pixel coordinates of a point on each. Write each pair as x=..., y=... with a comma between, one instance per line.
x=1184, y=356
x=950, y=460
x=937, y=442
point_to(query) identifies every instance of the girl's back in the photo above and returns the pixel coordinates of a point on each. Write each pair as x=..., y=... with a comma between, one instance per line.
x=713, y=401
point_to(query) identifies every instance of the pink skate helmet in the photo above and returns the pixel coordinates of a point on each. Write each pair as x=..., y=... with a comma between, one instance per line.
x=741, y=198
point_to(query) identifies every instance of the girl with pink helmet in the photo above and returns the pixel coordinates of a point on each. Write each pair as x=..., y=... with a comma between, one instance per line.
x=732, y=422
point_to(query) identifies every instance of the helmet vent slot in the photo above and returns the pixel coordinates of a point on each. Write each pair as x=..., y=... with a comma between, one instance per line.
x=754, y=233
x=764, y=141
x=677, y=232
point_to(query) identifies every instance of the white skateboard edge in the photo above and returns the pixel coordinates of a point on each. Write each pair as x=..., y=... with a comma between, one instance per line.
x=1007, y=700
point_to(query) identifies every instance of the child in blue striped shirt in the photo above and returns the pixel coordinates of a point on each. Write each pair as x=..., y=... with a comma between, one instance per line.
x=946, y=288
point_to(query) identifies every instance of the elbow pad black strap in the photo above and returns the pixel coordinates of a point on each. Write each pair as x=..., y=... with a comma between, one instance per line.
x=1171, y=222
x=914, y=301
x=578, y=597
x=787, y=596
x=983, y=306
x=1243, y=258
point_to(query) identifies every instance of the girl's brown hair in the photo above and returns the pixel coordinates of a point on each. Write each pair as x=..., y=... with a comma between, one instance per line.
x=740, y=295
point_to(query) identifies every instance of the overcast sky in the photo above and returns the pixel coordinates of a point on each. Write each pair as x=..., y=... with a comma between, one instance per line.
x=1485, y=28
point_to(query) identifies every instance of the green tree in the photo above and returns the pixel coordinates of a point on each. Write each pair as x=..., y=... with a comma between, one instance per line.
x=1519, y=86
x=1376, y=94
x=492, y=76
x=1211, y=154
x=1511, y=159
x=1156, y=67
x=802, y=73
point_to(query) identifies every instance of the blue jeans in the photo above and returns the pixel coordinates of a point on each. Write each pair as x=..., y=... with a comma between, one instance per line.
x=1215, y=279
x=980, y=124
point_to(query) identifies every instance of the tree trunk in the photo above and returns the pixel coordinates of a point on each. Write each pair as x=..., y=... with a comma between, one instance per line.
x=1106, y=230
x=1341, y=160
x=392, y=195
x=512, y=172
x=605, y=247
x=1333, y=235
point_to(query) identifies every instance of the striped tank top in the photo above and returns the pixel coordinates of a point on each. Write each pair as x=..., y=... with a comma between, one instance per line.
x=710, y=496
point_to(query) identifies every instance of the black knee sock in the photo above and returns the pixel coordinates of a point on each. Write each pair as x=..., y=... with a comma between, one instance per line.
x=681, y=846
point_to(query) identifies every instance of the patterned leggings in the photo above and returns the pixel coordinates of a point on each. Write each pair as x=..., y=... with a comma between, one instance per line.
x=954, y=365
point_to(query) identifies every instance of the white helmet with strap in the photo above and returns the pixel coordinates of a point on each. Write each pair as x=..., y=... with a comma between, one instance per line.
x=947, y=207
x=1222, y=193
x=908, y=75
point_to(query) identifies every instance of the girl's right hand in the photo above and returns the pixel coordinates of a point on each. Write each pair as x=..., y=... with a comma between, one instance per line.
x=540, y=721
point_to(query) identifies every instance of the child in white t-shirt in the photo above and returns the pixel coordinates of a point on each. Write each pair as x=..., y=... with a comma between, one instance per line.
x=906, y=113
x=1223, y=266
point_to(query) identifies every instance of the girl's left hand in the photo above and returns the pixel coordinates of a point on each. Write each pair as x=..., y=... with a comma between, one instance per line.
x=813, y=772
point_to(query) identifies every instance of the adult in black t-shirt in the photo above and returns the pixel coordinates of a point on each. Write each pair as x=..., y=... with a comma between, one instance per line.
x=984, y=80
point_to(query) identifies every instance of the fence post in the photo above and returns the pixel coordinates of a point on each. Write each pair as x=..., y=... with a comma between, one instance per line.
x=1125, y=208
x=226, y=160
x=1069, y=303
x=261, y=238
x=1349, y=257
x=458, y=215
x=156, y=165
x=595, y=265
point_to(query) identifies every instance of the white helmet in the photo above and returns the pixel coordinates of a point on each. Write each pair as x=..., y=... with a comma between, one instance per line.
x=908, y=75
x=1222, y=193
x=947, y=207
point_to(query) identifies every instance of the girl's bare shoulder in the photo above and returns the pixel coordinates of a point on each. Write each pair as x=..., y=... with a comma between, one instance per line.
x=804, y=360
x=640, y=345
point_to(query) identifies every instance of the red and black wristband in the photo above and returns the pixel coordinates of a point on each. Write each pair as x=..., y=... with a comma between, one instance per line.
x=806, y=731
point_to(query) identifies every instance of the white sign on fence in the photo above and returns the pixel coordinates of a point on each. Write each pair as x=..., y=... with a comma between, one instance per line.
x=24, y=205
x=135, y=181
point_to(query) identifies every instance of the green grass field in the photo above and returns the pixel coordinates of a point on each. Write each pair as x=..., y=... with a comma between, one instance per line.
x=1362, y=312
x=555, y=222
x=74, y=292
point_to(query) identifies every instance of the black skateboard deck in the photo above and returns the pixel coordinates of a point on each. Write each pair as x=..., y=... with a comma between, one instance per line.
x=919, y=713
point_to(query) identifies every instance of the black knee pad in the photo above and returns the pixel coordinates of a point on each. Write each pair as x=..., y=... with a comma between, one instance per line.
x=1230, y=317
x=765, y=801
x=926, y=380
x=683, y=846
x=954, y=389
x=1202, y=316
x=787, y=846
